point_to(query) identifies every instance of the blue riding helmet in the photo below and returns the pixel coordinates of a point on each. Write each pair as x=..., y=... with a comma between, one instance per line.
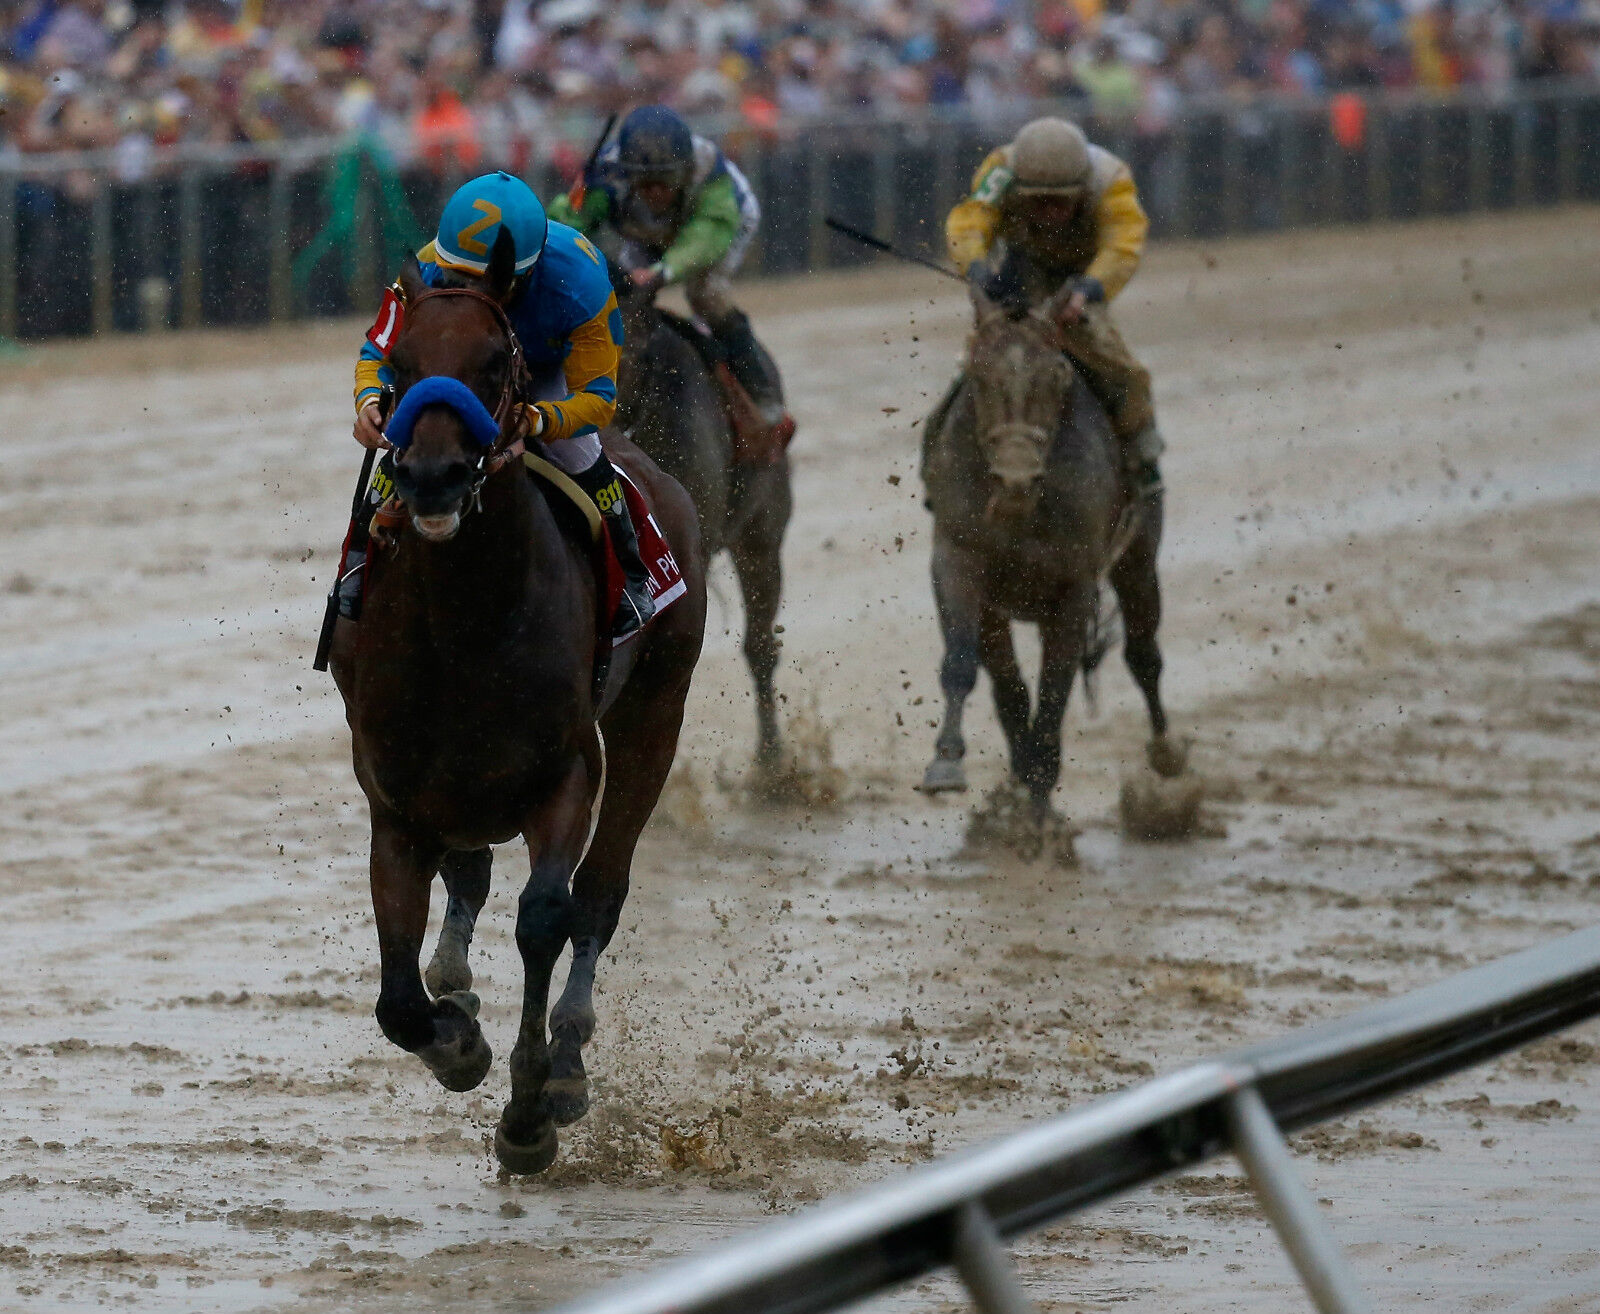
x=473, y=217
x=655, y=143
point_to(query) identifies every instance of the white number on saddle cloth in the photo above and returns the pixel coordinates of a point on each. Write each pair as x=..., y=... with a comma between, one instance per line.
x=391, y=315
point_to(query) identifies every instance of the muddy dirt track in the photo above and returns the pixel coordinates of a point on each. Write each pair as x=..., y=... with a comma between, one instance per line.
x=1382, y=635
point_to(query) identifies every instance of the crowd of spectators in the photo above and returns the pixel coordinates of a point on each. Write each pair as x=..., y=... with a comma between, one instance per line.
x=463, y=78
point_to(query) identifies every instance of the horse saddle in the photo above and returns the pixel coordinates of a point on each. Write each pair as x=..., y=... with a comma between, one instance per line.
x=755, y=442
x=666, y=579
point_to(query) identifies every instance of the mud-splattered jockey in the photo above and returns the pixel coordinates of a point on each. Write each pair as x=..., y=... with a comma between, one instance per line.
x=1051, y=209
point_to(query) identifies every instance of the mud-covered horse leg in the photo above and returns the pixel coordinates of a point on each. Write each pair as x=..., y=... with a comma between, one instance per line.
x=1061, y=644
x=955, y=594
x=1139, y=595
x=999, y=653
x=466, y=883
x=443, y=1033
x=642, y=738
x=757, y=552
x=525, y=1140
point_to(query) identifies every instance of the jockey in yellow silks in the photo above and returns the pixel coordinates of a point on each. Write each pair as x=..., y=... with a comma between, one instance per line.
x=1051, y=210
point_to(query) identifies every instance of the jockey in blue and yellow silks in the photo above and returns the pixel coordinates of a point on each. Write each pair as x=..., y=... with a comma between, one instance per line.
x=565, y=315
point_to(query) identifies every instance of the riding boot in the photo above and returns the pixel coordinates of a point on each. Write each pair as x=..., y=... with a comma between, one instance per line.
x=604, y=485
x=754, y=372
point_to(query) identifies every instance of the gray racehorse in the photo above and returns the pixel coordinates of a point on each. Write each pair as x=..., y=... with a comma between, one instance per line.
x=671, y=406
x=1030, y=514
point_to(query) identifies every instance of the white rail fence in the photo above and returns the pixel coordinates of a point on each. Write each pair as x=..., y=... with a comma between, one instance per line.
x=958, y=1213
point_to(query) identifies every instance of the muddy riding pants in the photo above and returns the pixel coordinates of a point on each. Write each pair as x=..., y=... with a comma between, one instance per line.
x=1118, y=381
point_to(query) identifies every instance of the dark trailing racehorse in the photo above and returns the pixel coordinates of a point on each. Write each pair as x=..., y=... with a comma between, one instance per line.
x=468, y=687
x=1029, y=514
x=671, y=405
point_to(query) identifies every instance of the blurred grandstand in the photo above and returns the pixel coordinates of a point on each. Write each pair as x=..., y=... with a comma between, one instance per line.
x=185, y=162
x=454, y=81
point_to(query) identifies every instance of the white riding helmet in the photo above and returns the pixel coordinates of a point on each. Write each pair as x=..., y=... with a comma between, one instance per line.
x=1050, y=157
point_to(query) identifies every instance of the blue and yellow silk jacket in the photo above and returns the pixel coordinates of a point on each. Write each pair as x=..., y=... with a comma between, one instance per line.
x=566, y=319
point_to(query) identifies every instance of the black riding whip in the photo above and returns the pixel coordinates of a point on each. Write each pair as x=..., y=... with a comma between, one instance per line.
x=580, y=188
x=888, y=248
x=331, y=615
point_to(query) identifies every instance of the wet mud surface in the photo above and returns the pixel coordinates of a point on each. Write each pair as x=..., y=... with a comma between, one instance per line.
x=1382, y=638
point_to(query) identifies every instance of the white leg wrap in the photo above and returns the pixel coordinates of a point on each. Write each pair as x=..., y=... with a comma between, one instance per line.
x=574, y=455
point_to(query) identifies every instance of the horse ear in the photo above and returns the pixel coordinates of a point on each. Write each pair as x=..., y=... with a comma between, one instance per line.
x=502, y=270
x=411, y=284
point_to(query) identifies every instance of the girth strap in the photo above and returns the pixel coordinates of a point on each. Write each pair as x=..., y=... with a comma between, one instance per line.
x=555, y=475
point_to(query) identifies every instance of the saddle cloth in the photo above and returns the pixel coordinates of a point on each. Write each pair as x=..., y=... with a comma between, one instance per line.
x=666, y=579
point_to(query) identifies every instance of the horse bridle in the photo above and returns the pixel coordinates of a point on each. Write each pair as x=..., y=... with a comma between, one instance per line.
x=503, y=450
x=1021, y=428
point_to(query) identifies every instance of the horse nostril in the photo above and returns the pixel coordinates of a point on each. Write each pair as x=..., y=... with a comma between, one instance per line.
x=433, y=488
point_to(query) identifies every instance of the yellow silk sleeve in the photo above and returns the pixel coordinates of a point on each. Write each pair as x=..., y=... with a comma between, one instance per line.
x=970, y=229
x=368, y=381
x=590, y=370
x=1123, y=226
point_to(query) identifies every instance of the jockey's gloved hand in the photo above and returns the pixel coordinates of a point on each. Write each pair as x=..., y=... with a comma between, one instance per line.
x=1092, y=289
x=647, y=279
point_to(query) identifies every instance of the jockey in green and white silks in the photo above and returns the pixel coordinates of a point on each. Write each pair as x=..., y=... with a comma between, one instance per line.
x=564, y=313
x=685, y=214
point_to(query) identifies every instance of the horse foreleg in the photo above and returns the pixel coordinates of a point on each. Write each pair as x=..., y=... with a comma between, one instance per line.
x=525, y=1141
x=1139, y=595
x=443, y=1033
x=955, y=594
x=999, y=652
x=643, y=738
x=1061, y=643
x=758, y=562
x=466, y=883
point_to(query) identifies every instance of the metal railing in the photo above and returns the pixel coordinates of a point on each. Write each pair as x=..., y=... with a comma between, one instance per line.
x=202, y=234
x=959, y=1212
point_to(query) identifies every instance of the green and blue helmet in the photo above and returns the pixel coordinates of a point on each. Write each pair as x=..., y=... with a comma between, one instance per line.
x=473, y=217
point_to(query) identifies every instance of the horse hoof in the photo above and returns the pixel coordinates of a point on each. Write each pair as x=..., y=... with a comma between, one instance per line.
x=526, y=1160
x=461, y=1062
x=463, y=999
x=1168, y=758
x=447, y=975
x=566, y=1100
x=944, y=775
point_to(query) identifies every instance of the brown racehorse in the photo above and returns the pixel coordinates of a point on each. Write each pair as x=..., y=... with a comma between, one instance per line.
x=468, y=689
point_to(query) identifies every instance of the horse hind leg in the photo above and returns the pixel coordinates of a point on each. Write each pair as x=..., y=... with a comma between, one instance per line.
x=1139, y=595
x=466, y=883
x=758, y=562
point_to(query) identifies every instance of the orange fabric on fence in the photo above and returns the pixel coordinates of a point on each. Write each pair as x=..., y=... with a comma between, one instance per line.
x=1347, y=116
